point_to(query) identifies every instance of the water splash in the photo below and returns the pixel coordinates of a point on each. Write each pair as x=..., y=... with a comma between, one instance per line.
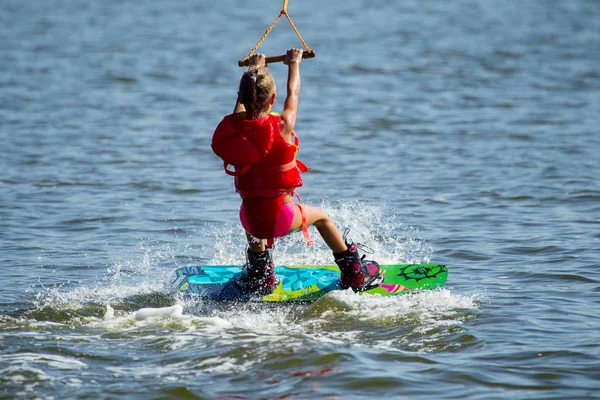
x=134, y=291
x=380, y=229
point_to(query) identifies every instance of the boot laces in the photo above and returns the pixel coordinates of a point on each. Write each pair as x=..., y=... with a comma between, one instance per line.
x=363, y=247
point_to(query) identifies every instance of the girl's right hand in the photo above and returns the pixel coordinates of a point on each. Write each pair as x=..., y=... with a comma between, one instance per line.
x=293, y=56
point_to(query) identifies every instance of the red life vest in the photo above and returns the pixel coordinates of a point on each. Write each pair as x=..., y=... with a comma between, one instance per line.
x=265, y=163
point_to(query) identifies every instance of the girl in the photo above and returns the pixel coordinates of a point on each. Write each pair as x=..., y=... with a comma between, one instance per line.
x=261, y=148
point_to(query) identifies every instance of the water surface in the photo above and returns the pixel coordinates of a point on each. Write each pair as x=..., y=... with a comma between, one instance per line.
x=462, y=133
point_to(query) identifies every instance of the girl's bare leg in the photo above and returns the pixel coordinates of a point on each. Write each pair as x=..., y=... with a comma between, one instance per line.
x=327, y=229
x=257, y=246
x=355, y=273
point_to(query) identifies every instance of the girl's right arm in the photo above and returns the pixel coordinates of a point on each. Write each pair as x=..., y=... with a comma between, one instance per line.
x=290, y=106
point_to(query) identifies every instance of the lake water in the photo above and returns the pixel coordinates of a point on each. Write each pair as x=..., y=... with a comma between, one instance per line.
x=463, y=133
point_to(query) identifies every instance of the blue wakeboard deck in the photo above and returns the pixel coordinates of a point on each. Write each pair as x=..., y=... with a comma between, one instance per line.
x=302, y=283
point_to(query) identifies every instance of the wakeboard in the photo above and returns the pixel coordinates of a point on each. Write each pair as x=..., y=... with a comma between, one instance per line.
x=302, y=283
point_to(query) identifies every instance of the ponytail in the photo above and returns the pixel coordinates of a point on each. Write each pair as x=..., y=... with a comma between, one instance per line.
x=256, y=87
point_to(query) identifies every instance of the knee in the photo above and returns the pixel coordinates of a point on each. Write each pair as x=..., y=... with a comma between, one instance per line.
x=323, y=220
x=316, y=216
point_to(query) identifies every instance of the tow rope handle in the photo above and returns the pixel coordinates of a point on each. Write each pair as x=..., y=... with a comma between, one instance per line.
x=307, y=53
x=275, y=59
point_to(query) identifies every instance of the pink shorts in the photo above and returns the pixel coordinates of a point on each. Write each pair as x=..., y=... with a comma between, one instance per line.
x=280, y=226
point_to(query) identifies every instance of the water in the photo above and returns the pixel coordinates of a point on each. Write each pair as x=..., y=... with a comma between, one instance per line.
x=462, y=133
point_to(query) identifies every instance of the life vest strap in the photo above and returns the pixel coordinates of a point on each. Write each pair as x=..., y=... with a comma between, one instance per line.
x=234, y=173
x=305, y=233
x=277, y=169
x=302, y=167
x=245, y=194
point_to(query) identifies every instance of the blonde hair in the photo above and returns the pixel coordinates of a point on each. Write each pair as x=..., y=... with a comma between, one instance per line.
x=256, y=88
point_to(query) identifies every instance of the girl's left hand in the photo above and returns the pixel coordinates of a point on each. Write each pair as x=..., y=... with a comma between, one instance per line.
x=257, y=61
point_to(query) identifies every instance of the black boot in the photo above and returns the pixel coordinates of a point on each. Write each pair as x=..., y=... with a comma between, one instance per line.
x=258, y=275
x=356, y=272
